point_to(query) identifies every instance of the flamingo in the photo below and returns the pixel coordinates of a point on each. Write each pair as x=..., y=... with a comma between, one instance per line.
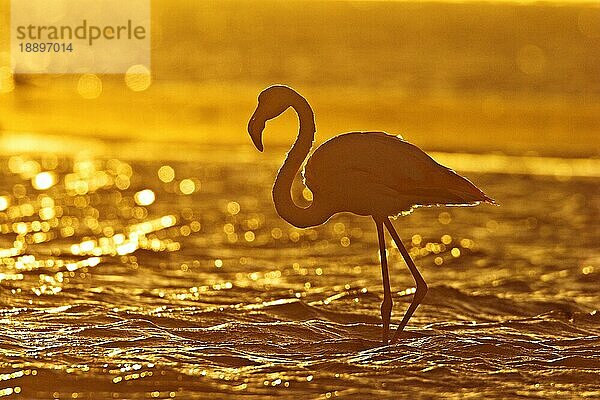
x=365, y=173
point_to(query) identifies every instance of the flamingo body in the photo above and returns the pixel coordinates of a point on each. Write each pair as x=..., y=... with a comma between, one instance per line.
x=374, y=173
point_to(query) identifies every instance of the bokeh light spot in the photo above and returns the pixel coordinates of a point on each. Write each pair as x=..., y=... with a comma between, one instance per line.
x=144, y=197
x=345, y=241
x=249, y=236
x=233, y=208
x=187, y=186
x=4, y=203
x=166, y=174
x=138, y=78
x=416, y=239
x=444, y=218
x=43, y=180
x=89, y=86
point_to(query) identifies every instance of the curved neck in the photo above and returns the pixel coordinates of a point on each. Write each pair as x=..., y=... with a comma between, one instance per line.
x=300, y=217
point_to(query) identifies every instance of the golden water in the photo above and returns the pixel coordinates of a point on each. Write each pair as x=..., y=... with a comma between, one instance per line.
x=148, y=279
x=146, y=270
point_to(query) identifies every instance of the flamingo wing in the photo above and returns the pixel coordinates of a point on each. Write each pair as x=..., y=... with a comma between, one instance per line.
x=364, y=170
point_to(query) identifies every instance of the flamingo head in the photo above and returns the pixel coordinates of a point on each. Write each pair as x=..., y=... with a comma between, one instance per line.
x=272, y=102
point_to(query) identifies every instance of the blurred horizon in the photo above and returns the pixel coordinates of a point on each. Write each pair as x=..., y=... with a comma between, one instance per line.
x=498, y=76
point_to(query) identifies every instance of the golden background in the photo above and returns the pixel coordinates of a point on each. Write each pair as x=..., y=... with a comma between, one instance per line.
x=516, y=78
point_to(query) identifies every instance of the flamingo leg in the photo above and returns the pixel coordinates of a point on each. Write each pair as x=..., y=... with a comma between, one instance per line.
x=386, y=305
x=421, y=290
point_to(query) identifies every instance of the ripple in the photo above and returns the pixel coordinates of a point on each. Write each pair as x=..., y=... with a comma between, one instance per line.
x=175, y=296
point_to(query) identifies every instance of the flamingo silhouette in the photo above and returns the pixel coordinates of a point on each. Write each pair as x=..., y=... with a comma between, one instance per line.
x=366, y=173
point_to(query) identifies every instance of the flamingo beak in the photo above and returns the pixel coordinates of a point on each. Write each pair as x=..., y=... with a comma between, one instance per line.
x=255, y=129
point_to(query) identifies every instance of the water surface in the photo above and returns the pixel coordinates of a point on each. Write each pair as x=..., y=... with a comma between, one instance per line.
x=206, y=292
